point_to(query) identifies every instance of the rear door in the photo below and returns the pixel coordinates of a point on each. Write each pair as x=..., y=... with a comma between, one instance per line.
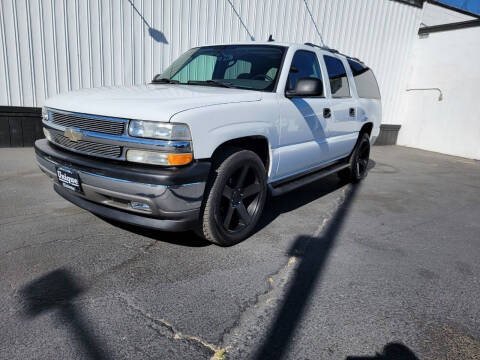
x=342, y=129
x=368, y=94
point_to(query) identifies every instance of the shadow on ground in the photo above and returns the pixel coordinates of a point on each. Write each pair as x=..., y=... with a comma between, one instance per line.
x=55, y=293
x=392, y=351
x=291, y=201
x=186, y=238
x=313, y=253
x=274, y=207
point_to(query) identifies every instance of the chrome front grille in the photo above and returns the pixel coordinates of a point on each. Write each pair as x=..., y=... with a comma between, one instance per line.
x=88, y=147
x=101, y=136
x=84, y=122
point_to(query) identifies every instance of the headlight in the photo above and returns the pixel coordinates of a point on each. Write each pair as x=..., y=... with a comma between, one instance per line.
x=158, y=130
x=158, y=158
x=44, y=114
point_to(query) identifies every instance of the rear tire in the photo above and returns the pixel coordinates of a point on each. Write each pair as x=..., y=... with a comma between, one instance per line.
x=358, y=168
x=235, y=197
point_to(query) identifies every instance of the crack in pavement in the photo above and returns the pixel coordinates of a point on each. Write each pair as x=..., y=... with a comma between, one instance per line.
x=254, y=320
x=165, y=328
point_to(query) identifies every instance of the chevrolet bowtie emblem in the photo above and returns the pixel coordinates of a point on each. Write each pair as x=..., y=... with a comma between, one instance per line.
x=72, y=134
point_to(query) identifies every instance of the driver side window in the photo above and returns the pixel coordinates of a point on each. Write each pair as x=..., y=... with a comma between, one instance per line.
x=304, y=65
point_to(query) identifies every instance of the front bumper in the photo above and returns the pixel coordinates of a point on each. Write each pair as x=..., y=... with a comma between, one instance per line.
x=174, y=196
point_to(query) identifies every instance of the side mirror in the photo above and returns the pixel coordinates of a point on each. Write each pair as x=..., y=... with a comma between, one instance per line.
x=306, y=87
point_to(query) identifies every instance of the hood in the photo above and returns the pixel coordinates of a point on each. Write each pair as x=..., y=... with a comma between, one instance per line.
x=148, y=102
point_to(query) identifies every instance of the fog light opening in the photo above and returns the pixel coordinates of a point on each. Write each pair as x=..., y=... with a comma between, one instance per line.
x=140, y=206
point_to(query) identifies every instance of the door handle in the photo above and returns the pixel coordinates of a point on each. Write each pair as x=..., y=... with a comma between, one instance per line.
x=352, y=112
x=327, y=113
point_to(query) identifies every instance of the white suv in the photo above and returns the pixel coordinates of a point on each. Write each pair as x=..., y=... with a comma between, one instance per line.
x=202, y=144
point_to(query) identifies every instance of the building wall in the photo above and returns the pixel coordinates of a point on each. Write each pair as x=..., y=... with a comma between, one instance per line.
x=53, y=46
x=447, y=60
x=437, y=15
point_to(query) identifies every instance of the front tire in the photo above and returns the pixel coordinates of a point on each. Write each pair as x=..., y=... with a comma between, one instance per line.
x=359, y=159
x=235, y=198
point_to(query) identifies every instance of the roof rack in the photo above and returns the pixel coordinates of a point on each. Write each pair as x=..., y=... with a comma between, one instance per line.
x=326, y=48
x=318, y=46
x=333, y=51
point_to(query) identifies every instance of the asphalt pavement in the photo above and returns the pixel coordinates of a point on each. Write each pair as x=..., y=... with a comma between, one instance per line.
x=388, y=269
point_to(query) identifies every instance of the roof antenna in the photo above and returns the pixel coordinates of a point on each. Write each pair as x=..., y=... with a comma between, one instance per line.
x=270, y=38
x=314, y=23
x=240, y=19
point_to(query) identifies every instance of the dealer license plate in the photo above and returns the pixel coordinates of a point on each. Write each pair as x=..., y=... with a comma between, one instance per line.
x=69, y=179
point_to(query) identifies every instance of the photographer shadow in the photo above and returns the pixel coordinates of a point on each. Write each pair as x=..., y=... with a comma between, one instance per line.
x=391, y=351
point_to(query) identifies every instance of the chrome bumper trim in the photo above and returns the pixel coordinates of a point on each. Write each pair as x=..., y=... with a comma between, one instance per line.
x=170, y=201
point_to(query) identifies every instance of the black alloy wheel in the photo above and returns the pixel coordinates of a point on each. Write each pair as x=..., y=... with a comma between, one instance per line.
x=241, y=196
x=235, y=198
x=359, y=159
x=362, y=158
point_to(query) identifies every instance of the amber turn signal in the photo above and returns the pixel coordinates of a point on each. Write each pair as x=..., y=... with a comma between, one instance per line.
x=158, y=158
x=179, y=159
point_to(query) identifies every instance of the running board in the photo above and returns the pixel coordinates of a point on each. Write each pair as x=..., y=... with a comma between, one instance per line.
x=287, y=186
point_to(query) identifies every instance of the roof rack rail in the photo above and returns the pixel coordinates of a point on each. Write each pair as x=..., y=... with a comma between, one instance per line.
x=334, y=51
x=326, y=48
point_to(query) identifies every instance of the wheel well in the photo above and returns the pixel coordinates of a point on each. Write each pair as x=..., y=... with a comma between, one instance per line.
x=367, y=129
x=257, y=144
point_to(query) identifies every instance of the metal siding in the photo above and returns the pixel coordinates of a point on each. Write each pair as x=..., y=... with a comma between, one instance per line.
x=53, y=46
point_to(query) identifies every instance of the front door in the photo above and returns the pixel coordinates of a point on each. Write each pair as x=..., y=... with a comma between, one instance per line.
x=303, y=131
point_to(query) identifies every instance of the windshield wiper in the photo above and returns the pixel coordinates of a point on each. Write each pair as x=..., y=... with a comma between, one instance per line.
x=165, y=81
x=211, y=83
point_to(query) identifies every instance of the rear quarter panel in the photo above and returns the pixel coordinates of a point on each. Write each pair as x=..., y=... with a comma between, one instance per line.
x=370, y=110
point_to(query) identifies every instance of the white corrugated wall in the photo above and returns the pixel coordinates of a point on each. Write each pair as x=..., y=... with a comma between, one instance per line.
x=52, y=46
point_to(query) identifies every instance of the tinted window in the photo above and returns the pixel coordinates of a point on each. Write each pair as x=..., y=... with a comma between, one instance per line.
x=338, y=77
x=241, y=69
x=200, y=69
x=304, y=65
x=365, y=81
x=242, y=66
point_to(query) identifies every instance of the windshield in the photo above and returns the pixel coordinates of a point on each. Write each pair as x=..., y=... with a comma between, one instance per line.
x=253, y=67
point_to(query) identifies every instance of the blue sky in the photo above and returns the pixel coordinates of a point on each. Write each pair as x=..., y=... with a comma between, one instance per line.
x=469, y=5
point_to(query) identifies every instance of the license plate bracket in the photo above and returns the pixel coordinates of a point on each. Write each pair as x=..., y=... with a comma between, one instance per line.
x=69, y=179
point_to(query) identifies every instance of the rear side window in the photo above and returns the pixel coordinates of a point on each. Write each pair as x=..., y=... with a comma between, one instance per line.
x=304, y=65
x=338, y=77
x=365, y=81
